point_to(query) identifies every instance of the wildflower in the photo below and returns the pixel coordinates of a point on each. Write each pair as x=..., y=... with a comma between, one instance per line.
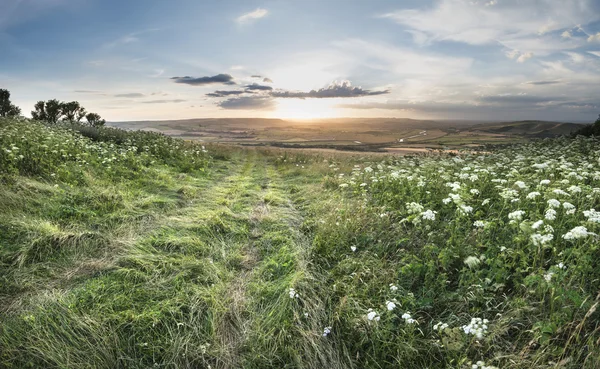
x=393, y=288
x=533, y=195
x=474, y=191
x=577, y=233
x=574, y=189
x=414, y=208
x=479, y=224
x=353, y=248
x=293, y=293
x=440, y=326
x=544, y=182
x=372, y=315
x=553, y=203
x=561, y=265
x=541, y=239
x=520, y=184
x=548, y=276
x=477, y=327
x=465, y=209
x=592, y=215
x=429, y=214
x=344, y=185
x=537, y=224
x=550, y=214
x=570, y=208
x=485, y=202
x=472, y=261
x=390, y=305
x=408, y=318
x=516, y=215
x=326, y=331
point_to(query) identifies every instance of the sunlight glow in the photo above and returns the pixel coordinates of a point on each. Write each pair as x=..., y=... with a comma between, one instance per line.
x=305, y=109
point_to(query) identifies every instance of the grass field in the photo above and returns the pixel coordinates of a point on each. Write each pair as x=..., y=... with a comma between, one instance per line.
x=136, y=250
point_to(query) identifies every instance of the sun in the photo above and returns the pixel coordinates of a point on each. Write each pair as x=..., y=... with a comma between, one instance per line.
x=305, y=109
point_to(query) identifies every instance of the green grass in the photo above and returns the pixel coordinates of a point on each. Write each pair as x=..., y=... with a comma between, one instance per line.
x=172, y=255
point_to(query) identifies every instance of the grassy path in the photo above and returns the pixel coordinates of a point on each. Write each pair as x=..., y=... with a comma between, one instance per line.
x=204, y=284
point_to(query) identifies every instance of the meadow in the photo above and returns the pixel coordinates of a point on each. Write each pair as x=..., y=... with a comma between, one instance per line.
x=128, y=249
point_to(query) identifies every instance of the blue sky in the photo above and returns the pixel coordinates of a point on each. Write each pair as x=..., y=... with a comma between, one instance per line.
x=455, y=59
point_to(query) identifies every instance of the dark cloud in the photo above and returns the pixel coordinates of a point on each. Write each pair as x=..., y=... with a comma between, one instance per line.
x=248, y=103
x=343, y=89
x=163, y=101
x=267, y=80
x=225, y=93
x=257, y=87
x=256, y=76
x=225, y=79
x=539, y=83
x=132, y=95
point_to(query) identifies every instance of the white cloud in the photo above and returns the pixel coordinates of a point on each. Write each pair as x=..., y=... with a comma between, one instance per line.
x=594, y=38
x=566, y=34
x=575, y=57
x=524, y=57
x=596, y=53
x=475, y=23
x=252, y=16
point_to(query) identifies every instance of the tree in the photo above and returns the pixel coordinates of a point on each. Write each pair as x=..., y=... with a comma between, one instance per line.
x=95, y=120
x=72, y=111
x=49, y=111
x=590, y=129
x=7, y=109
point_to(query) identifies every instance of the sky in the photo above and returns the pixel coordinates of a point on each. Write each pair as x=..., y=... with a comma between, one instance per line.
x=421, y=59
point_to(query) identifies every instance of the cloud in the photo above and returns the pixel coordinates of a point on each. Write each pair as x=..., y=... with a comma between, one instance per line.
x=520, y=57
x=225, y=79
x=594, y=38
x=163, y=101
x=252, y=16
x=335, y=89
x=596, y=53
x=225, y=93
x=475, y=23
x=256, y=76
x=267, y=80
x=519, y=99
x=566, y=34
x=257, y=87
x=248, y=103
x=131, y=95
x=540, y=83
x=524, y=57
x=87, y=91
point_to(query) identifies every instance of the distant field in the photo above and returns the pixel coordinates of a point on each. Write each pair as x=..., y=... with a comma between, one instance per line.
x=360, y=134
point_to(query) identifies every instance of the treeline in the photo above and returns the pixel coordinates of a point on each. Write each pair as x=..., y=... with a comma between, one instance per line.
x=51, y=111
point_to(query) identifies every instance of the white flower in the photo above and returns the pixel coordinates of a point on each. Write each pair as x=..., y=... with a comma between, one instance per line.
x=472, y=261
x=408, y=318
x=553, y=203
x=477, y=327
x=520, y=184
x=574, y=189
x=541, y=239
x=577, y=233
x=485, y=202
x=344, y=185
x=429, y=214
x=537, y=224
x=440, y=326
x=592, y=215
x=372, y=315
x=550, y=214
x=474, y=191
x=390, y=305
x=561, y=265
x=353, y=248
x=516, y=215
x=544, y=182
x=479, y=224
x=533, y=195
x=293, y=293
x=414, y=208
x=326, y=331
x=393, y=288
x=464, y=209
x=548, y=276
